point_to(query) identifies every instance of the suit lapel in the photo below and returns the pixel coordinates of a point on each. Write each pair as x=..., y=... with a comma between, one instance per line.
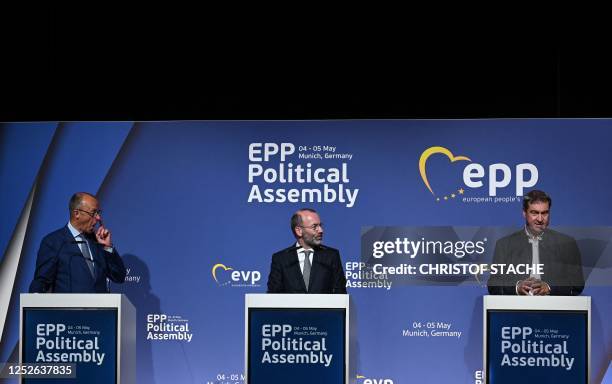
x=295, y=269
x=316, y=266
x=546, y=250
x=98, y=259
x=74, y=247
x=524, y=254
x=96, y=255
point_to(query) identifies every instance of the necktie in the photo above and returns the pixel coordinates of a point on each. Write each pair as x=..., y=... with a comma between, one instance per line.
x=306, y=272
x=87, y=255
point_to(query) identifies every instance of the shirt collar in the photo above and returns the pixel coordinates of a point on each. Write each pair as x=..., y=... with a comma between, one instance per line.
x=301, y=249
x=75, y=232
x=532, y=236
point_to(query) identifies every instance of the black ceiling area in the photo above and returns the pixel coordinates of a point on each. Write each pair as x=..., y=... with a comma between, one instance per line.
x=100, y=75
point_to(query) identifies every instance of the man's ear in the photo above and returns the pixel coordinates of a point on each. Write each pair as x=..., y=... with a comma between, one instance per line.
x=298, y=231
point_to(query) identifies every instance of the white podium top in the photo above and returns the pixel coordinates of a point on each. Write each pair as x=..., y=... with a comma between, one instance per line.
x=292, y=300
x=542, y=303
x=73, y=300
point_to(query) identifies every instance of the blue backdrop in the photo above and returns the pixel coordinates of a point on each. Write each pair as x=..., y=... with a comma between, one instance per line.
x=179, y=200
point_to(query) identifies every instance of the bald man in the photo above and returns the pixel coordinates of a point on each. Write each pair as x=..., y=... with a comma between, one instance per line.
x=78, y=258
x=307, y=266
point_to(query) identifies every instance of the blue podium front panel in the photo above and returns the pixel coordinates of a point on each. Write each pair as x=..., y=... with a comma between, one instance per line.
x=85, y=337
x=300, y=346
x=532, y=346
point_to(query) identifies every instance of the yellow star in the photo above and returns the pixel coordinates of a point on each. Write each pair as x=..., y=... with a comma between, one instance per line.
x=461, y=190
x=453, y=195
x=437, y=199
x=445, y=197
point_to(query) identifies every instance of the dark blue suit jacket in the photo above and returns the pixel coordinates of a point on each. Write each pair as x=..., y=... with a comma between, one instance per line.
x=61, y=267
x=558, y=252
x=326, y=275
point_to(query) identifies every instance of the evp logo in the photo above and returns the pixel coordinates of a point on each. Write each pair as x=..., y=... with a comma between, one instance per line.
x=228, y=276
x=364, y=380
x=496, y=177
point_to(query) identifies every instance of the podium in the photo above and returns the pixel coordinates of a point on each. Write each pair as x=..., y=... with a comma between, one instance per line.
x=296, y=338
x=537, y=339
x=95, y=333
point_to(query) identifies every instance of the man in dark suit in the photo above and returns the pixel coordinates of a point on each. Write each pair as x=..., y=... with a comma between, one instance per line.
x=307, y=266
x=536, y=244
x=78, y=258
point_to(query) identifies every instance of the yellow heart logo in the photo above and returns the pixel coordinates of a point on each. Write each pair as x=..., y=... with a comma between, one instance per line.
x=431, y=151
x=214, y=270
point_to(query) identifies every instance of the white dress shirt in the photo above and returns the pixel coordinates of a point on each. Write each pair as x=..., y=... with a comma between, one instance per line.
x=301, y=252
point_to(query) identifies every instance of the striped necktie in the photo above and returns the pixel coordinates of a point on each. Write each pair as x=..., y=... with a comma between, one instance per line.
x=87, y=255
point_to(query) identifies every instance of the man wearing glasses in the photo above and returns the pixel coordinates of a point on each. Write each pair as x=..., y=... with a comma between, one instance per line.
x=78, y=258
x=307, y=266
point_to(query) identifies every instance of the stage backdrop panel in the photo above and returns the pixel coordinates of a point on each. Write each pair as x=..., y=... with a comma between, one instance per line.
x=197, y=209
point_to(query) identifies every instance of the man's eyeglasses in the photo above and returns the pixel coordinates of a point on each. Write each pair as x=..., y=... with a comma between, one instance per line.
x=314, y=227
x=97, y=212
